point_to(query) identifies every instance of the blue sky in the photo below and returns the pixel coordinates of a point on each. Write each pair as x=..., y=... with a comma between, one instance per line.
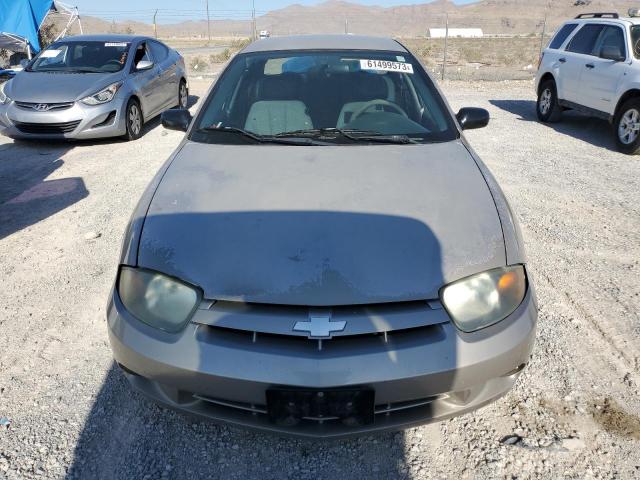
x=172, y=11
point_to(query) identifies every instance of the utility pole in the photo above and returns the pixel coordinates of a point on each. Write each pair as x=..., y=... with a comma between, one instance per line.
x=253, y=19
x=155, y=26
x=208, y=22
x=544, y=30
x=446, y=37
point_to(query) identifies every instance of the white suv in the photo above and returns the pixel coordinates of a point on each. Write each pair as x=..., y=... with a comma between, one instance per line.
x=593, y=65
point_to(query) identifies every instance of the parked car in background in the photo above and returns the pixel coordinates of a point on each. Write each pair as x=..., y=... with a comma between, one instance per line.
x=6, y=74
x=324, y=254
x=93, y=86
x=592, y=65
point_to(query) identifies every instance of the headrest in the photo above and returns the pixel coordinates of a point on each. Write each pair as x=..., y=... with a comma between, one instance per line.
x=285, y=86
x=367, y=86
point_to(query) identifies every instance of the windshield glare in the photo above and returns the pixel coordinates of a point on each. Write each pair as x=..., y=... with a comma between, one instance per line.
x=375, y=93
x=85, y=57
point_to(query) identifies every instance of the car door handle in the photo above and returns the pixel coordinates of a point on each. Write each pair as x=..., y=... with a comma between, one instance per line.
x=590, y=65
x=563, y=60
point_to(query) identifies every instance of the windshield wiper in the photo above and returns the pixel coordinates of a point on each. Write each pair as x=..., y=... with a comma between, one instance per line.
x=61, y=70
x=319, y=132
x=255, y=137
x=355, y=135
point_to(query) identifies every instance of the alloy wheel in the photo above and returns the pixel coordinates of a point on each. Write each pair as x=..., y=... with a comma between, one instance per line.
x=135, y=119
x=629, y=127
x=183, y=96
x=544, y=103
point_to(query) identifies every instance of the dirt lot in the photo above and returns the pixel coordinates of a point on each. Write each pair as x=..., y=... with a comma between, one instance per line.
x=573, y=414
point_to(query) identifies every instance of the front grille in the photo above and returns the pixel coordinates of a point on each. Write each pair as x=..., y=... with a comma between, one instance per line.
x=345, y=344
x=49, y=106
x=380, y=409
x=47, y=128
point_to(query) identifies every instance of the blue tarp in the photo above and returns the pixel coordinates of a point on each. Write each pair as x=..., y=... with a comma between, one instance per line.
x=23, y=18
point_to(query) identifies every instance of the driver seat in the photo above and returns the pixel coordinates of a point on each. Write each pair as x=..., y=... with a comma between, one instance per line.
x=365, y=87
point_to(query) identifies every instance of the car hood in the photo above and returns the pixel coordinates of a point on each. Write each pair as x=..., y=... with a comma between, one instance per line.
x=60, y=87
x=322, y=226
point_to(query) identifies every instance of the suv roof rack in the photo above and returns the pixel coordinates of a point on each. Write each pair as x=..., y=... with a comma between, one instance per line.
x=598, y=15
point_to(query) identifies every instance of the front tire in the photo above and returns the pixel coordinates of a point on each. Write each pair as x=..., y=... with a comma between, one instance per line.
x=547, y=106
x=627, y=127
x=134, y=120
x=183, y=95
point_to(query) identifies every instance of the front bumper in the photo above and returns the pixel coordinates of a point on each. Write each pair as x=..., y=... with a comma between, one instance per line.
x=78, y=121
x=419, y=377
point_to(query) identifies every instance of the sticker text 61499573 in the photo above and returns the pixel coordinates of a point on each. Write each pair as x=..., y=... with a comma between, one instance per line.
x=386, y=66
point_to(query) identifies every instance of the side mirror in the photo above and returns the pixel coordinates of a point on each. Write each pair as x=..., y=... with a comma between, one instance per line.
x=176, y=119
x=612, y=52
x=144, y=65
x=470, y=118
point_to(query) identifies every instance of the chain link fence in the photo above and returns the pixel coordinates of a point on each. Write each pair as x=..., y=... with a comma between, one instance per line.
x=460, y=48
x=452, y=46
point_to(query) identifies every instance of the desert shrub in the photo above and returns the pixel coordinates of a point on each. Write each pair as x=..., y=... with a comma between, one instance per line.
x=240, y=43
x=220, y=57
x=198, y=63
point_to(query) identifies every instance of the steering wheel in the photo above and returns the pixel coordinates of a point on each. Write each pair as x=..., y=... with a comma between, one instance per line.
x=378, y=102
x=114, y=61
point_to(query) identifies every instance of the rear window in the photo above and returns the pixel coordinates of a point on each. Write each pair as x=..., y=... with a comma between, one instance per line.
x=585, y=40
x=562, y=35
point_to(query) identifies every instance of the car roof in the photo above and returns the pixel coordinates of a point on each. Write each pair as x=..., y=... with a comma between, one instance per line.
x=105, y=38
x=619, y=20
x=325, y=42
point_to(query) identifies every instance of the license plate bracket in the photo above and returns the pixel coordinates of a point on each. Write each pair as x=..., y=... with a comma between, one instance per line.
x=353, y=407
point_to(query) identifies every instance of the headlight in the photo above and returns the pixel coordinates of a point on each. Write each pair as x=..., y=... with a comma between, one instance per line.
x=486, y=298
x=103, y=96
x=156, y=299
x=4, y=98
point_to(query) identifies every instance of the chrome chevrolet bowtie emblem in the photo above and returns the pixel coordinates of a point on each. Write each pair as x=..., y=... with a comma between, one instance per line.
x=41, y=107
x=319, y=325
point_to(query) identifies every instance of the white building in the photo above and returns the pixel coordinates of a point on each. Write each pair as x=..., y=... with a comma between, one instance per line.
x=456, y=32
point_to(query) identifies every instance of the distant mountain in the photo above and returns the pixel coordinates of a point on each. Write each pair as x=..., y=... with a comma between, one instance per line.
x=336, y=16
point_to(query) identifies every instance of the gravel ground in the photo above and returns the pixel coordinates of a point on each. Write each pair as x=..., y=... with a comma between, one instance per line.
x=65, y=411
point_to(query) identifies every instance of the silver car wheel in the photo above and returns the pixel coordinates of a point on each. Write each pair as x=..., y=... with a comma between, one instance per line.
x=629, y=127
x=544, y=104
x=183, y=96
x=135, y=119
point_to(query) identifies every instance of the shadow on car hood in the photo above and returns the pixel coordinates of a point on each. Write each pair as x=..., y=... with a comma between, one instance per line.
x=322, y=226
x=51, y=87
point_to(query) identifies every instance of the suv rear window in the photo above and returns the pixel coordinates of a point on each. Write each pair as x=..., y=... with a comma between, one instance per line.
x=562, y=35
x=585, y=40
x=635, y=40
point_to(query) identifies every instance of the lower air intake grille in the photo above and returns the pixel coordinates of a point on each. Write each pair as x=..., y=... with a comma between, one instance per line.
x=47, y=128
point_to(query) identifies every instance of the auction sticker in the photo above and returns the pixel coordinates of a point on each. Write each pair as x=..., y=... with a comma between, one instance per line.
x=116, y=44
x=50, y=53
x=386, y=66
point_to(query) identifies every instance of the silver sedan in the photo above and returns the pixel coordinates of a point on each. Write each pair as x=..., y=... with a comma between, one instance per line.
x=324, y=254
x=93, y=87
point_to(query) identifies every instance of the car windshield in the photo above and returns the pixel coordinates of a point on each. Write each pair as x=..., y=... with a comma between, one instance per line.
x=82, y=57
x=324, y=97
